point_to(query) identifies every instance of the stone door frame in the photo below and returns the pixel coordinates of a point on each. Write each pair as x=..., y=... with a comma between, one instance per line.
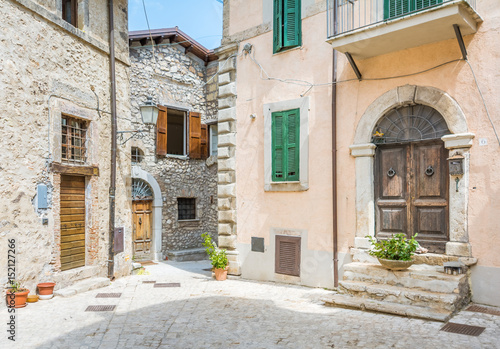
x=139, y=173
x=458, y=142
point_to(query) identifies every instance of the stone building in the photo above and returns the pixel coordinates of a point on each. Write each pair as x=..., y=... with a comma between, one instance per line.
x=56, y=139
x=174, y=166
x=348, y=119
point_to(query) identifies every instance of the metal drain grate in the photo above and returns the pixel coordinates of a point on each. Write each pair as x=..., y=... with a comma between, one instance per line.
x=463, y=329
x=171, y=284
x=485, y=310
x=149, y=282
x=207, y=269
x=108, y=295
x=100, y=308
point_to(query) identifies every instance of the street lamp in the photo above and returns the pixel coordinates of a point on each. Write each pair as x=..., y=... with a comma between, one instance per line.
x=149, y=112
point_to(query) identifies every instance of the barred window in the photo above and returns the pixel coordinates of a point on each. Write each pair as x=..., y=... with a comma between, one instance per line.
x=73, y=140
x=137, y=155
x=186, y=208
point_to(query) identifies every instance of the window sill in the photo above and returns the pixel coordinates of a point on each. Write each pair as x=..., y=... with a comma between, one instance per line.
x=189, y=223
x=285, y=50
x=286, y=186
x=180, y=157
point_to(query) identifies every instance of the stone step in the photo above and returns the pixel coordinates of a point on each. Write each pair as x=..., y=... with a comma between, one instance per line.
x=405, y=296
x=415, y=311
x=418, y=276
x=193, y=254
x=83, y=286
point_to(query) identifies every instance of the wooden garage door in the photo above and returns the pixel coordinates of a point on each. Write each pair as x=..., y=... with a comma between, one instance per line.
x=72, y=222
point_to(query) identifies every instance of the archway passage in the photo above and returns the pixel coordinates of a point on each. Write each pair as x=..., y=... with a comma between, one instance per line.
x=411, y=176
x=142, y=212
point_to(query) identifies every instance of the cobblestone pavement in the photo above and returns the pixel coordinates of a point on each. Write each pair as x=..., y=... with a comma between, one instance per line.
x=236, y=313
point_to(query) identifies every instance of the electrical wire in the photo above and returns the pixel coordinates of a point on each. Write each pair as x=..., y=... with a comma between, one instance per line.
x=149, y=29
x=484, y=103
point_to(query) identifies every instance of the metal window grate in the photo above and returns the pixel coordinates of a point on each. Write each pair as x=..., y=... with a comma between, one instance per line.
x=100, y=308
x=463, y=329
x=73, y=140
x=137, y=155
x=108, y=295
x=170, y=284
x=484, y=310
x=186, y=208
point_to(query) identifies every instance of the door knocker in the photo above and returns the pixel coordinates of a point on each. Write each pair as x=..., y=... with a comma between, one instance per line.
x=391, y=173
x=140, y=220
x=429, y=171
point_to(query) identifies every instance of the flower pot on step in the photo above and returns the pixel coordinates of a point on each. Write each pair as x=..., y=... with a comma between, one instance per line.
x=395, y=265
x=46, y=290
x=220, y=274
x=17, y=299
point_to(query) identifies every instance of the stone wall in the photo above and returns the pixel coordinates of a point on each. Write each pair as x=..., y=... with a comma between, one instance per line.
x=47, y=68
x=176, y=79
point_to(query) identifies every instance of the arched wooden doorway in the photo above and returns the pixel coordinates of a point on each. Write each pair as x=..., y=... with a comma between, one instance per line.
x=142, y=200
x=411, y=176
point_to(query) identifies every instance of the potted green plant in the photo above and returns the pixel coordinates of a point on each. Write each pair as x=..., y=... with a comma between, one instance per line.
x=217, y=257
x=16, y=295
x=395, y=253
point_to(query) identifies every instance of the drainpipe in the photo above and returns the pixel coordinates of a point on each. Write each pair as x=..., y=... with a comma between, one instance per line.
x=334, y=154
x=112, y=185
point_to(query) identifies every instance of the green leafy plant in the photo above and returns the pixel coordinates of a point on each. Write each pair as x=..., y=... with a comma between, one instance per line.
x=15, y=287
x=217, y=256
x=398, y=248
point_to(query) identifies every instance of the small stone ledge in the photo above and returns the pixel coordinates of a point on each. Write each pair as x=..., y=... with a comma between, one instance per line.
x=83, y=286
x=193, y=254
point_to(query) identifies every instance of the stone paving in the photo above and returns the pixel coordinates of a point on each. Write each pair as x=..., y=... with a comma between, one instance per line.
x=237, y=313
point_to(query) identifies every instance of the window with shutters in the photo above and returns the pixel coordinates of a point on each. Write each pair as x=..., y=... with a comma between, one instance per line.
x=179, y=133
x=287, y=255
x=287, y=25
x=396, y=8
x=285, y=145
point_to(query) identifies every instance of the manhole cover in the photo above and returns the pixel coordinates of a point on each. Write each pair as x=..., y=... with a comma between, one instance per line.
x=108, y=295
x=485, y=310
x=100, y=308
x=463, y=329
x=148, y=282
x=171, y=284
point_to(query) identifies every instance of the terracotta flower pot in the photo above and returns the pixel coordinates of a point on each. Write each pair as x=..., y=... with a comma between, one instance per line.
x=220, y=274
x=395, y=265
x=17, y=300
x=46, y=288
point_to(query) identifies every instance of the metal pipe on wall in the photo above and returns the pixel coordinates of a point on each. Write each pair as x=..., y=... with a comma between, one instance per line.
x=334, y=155
x=112, y=185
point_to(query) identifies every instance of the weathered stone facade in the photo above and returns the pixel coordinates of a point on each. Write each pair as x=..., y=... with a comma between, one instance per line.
x=176, y=79
x=49, y=68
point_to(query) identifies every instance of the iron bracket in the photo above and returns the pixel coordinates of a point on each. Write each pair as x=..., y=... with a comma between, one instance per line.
x=353, y=65
x=460, y=40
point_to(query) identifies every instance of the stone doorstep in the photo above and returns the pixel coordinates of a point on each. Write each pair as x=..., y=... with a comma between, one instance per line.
x=193, y=254
x=401, y=295
x=387, y=307
x=83, y=286
x=423, y=277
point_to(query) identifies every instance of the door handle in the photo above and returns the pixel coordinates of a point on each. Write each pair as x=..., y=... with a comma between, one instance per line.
x=429, y=171
x=140, y=220
x=391, y=173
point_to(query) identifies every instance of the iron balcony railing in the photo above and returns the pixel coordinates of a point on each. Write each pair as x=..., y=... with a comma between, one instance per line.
x=356, y=14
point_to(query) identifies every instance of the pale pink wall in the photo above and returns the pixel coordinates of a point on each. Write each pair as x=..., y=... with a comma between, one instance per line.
x=244, y=15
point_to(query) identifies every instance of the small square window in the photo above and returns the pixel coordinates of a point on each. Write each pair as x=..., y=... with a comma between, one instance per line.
x=137, y=155
x=213, y=139
x=70, y=12
x=186, y=208
x=73, y=140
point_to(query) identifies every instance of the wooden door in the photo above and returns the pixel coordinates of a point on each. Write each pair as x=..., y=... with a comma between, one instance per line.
x=142, y=219
x=72, y=222
x=411, y=188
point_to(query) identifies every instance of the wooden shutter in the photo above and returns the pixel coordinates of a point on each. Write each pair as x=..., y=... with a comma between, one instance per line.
x=292, y=23
x=204, y=141
x=161, y=132
x=395, y=8
x=278, y=156
x=278, y=25
x=292, y=145
x=194, y=135
x=287, y=255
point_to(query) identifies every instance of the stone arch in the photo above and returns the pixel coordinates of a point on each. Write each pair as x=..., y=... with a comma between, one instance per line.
x=139, y=173
x=458, y=142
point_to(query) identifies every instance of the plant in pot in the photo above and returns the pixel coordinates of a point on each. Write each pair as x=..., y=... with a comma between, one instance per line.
x=16, y=294
x=395, y=253
x=46, y=290
x=217, y=257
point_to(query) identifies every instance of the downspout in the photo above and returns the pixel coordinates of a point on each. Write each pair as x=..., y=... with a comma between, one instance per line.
x=334, y=153
x=112, y=185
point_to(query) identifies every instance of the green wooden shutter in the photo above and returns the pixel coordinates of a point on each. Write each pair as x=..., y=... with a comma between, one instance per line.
x=421, y=4
x=278, y=26
x=395, y=8
x=292, y=23
x=293, y=145
x=278, y=156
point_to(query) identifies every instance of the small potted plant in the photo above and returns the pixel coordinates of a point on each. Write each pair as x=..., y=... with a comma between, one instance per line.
x=16, y=295
x=217, y=257
x=394, y=253
x=46, y=290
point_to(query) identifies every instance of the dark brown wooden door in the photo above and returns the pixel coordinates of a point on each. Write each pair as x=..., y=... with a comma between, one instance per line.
x=72, y=222
x=411, y=189
x=142, y=217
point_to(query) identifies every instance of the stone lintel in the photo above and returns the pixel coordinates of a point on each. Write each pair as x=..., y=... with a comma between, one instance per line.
x=458, y=140
x=366, y=149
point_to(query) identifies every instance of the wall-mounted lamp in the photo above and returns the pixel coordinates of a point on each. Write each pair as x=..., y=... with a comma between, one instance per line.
x=149, y=112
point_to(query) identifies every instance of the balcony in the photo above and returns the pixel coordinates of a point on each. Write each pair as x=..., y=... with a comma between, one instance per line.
x=368, y=28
